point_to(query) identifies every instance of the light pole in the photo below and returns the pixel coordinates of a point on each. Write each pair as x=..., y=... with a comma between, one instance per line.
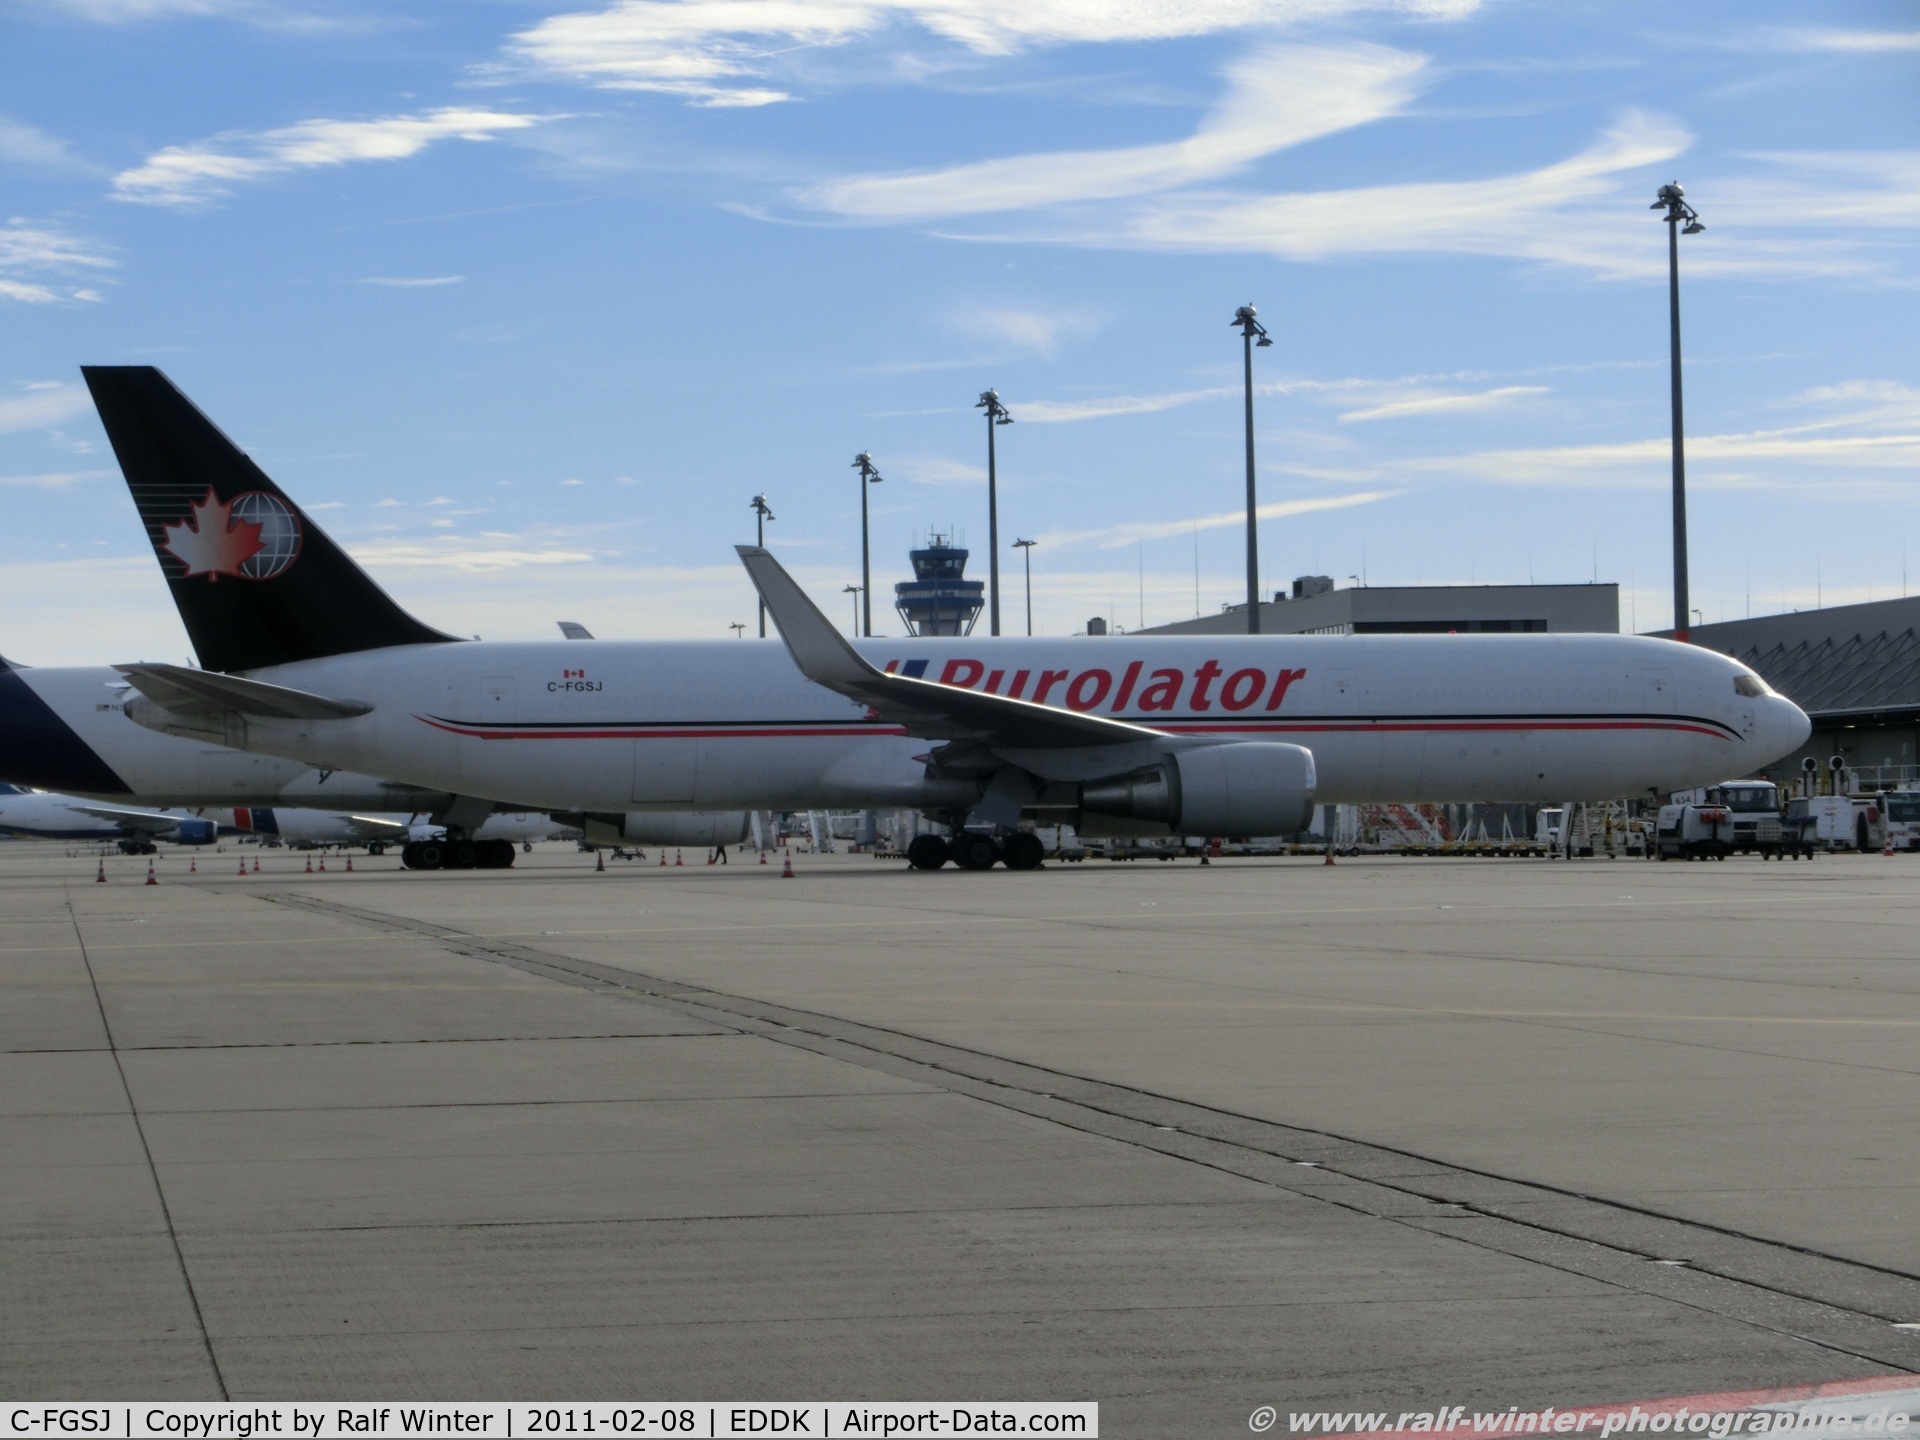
x=996, y=415
x=739, y=629
x=1026, y=549
x=762, y=512
x=856, y=591
x=1252, y=333
x=1672, y=200
x=863, y=462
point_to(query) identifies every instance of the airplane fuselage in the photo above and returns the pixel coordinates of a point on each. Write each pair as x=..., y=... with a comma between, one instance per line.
x=612, y=725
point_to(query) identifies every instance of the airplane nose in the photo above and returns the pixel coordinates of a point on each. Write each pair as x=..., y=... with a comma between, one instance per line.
x=1784, y=726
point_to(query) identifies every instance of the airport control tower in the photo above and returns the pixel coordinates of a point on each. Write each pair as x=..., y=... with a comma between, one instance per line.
x=937, y=601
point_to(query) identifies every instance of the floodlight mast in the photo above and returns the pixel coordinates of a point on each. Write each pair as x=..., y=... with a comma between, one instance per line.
x=996, y=415
x=856, y=591
x=1025, y=547
x=762, y=512
x=1671, y=198
x=863, y=462
x=1252, y=333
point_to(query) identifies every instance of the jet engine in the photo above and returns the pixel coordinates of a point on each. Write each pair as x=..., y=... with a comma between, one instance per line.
x=1247, y=788
x=196, y=832
x=662, y=827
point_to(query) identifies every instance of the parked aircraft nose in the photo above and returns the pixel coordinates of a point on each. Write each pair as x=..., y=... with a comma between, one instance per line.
x=1782, y=728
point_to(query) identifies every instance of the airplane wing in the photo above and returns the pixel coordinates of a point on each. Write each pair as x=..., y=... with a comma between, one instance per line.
x=926, y=708
x=186, y=691
x=143, y=822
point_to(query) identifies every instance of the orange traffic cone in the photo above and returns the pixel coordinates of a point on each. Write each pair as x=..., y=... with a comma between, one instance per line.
x=679, y=858
x=663, y=854
x=349, y=864
x=256, y=864
x=763, y=857
x=713, y=857
x=102, y=876
x=309, y=865
x=243, y=864
x=599, y=863
x=786, y=870
x=193, y=865
x=150, y=879
x=1886, y=844
x=323, y=864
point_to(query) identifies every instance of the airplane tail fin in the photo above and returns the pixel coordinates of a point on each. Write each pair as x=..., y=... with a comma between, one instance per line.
x=256, y=581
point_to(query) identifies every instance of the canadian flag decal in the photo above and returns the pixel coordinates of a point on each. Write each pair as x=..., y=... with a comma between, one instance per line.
x=573, y=674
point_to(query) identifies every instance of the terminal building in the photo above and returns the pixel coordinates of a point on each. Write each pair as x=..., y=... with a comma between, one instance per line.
x=1315, y=607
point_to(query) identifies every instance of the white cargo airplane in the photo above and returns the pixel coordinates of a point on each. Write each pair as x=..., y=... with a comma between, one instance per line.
x=65, y=729
x=1211, y=735
x=38, y=815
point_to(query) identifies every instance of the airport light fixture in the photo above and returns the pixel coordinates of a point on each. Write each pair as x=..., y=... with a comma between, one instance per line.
x=856, y=591
x=762, y=512
x=1681, y=220
x=739, y=629
x=1252, y=334
x=996, y=415
x=1026, y=549
x=863, y=462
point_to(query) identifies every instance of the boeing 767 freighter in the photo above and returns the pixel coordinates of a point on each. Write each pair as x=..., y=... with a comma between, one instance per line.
x=307, y=658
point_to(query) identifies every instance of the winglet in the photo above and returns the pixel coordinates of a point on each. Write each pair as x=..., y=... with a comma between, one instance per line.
x=821, y=651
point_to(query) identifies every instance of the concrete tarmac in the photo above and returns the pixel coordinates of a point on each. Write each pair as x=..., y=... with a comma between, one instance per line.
x=1388, y=1135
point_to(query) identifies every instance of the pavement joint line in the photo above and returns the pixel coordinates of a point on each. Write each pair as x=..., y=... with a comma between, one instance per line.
x=1041, y=1096
x=153, y=1170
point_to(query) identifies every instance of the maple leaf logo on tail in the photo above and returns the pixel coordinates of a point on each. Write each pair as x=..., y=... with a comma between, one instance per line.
x=253, y=536
x=210, y=541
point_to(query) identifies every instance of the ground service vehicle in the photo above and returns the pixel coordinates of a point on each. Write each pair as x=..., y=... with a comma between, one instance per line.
x=1715, y=821
x=1901, y=809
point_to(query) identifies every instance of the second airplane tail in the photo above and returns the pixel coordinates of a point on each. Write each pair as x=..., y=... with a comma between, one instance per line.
x=256, y=581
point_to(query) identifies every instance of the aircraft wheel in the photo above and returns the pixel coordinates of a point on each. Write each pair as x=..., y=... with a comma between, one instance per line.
x=424, y=855
x=376, y=848
x=463, y=855
x=975, y=852
x=526, y=846
x=496, y=854
x=927, y=852
x=1023, y=851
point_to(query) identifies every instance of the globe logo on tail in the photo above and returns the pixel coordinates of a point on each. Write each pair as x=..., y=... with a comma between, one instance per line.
x=255, y=536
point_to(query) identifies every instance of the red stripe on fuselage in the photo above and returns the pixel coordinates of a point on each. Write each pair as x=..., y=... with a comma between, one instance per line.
x=629, y=733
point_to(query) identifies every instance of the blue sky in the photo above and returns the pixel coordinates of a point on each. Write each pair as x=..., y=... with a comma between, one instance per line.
x=527, y=300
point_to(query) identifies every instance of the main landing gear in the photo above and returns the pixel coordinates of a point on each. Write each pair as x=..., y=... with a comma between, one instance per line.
x=975, y=850
x=457, y=854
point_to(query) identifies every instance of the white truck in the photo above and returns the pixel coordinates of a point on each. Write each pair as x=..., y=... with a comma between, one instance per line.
x=1715, y=821
x=1901, y=812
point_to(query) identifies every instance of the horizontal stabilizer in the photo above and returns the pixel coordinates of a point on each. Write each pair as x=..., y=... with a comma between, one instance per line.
x=925, y=708
x=185, y=691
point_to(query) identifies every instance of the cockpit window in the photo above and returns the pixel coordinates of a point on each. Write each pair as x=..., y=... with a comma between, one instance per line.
x=1751, y=685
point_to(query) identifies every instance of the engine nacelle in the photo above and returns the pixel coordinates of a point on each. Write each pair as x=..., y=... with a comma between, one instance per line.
x=1248, y=788
x=662, y=827
x=196, y=832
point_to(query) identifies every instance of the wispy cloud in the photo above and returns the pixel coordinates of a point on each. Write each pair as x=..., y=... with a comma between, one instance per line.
x=187, y=175
x=720, y=52
x=401, y=282
x=55, y=480
x=936, y=470
x=1875, y=427
x=1444, y=404
x=462, y=554
x=43, y=406
x=1278, y=97
x=1062, y=412
x=1113, y=536
x=1040, y=331
x=1847, y=42
x=35, y=255
x=27, y=147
